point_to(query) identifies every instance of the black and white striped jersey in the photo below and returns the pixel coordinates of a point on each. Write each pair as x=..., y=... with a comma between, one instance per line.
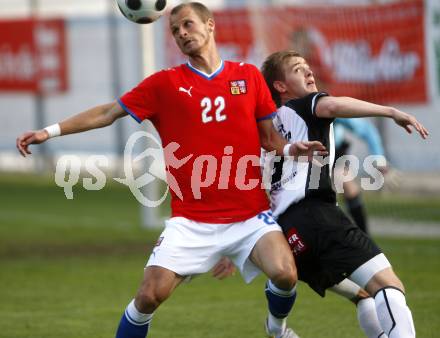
x=291, y=181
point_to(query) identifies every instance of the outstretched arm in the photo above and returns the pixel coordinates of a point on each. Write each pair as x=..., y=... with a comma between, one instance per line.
x=271, y=140
x=332, y=107
x=97, y=117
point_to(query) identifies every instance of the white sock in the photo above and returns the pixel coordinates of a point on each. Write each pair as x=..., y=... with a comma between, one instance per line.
x=135, y=317
x=393, y=314
x=367, y=317
x=276, y=325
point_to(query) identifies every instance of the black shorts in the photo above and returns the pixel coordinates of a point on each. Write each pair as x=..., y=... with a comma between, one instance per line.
x=326, y=244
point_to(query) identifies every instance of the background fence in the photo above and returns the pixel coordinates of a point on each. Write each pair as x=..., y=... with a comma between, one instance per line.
x=386, y=53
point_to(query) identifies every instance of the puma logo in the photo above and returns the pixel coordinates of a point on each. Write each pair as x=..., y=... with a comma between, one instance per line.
x=188, y=91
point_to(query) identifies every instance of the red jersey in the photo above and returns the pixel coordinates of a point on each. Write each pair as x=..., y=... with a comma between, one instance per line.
x=208, y=123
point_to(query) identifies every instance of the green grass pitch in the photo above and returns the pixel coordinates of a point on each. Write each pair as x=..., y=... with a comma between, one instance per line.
x=68, y=268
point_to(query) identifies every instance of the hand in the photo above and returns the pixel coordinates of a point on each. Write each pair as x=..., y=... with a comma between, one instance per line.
x=407, y=121
x=224, y=268
x=393, y=179
x=30, y=137
x=383, y=169
x=307, y=148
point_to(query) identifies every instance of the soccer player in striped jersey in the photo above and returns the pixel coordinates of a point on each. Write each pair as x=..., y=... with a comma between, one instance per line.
x=213, y=116
x=328, y=247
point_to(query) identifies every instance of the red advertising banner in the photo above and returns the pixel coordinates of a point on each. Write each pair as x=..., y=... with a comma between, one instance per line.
x=375, y=53
x=33, y=56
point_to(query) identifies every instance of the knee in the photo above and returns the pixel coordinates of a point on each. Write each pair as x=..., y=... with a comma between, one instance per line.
x=147, y=301
x=361, y=295
x=395, y=283
x=284, y=277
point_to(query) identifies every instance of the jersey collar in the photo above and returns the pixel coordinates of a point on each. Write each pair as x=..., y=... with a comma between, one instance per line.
x=203, y=74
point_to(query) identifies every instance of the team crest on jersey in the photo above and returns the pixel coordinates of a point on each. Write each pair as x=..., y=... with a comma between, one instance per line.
x=238, y=87
x=296, y=243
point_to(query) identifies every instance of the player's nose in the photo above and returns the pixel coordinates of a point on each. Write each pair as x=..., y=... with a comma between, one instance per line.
x=182, y=33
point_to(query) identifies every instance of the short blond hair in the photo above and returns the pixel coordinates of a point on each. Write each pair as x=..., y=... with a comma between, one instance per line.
x=200, y=9
x=272, y=70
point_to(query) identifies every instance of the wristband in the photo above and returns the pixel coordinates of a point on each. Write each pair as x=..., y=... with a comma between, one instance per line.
x=286, y=149
x=53, y=130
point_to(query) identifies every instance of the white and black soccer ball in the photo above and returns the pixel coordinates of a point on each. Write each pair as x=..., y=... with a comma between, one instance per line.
x=142, y=11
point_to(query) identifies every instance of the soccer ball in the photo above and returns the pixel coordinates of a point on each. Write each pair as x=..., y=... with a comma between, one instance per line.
x=142, y=11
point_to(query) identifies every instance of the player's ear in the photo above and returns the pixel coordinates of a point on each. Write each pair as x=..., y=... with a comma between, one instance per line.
x=211, y=25
x=279, y=86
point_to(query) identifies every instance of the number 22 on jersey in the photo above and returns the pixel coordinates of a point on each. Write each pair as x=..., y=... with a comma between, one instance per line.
x=208, y=113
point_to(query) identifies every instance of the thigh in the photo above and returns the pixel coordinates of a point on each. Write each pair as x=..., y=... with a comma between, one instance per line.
x=302, y=236
x=328, y=247
x=255, y=244
x=348, y=289
x=186, y=247
x=271, y=253
x=342, y=246
x=384, y=278
x=375, y=274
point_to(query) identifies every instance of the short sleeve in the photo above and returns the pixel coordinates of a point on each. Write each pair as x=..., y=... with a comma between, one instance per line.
x=306, y=107
x=142, y=102
x=265, y=107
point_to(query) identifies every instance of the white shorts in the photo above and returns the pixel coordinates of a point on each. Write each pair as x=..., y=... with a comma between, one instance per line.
x=188, y=247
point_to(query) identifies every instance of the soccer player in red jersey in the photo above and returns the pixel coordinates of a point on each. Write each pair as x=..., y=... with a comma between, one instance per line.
x=212, y=116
